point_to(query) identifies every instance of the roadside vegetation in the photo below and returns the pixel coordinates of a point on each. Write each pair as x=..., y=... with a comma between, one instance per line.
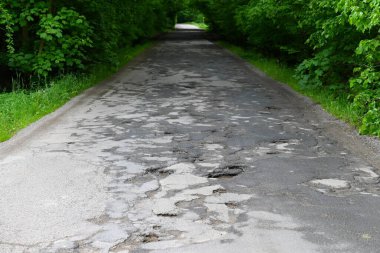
x=50, y=51
x=189, y=14
x=332, y=47
x=22, y=107
x=335, y=103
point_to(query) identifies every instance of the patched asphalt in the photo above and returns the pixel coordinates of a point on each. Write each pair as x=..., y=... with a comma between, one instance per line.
x=188, y=149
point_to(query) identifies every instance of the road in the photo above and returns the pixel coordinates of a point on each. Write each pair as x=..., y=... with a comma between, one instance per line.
x=187, y=149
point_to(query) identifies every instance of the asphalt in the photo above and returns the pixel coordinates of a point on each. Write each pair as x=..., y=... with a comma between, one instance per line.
x=188, y=149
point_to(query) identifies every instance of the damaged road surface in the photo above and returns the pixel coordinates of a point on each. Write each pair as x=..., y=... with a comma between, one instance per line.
x=186, y=150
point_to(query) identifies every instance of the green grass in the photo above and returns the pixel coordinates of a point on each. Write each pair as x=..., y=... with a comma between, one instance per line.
x=20, y=108
x=337, y=105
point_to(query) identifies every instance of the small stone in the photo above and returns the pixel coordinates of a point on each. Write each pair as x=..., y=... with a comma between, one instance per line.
x=151, y=237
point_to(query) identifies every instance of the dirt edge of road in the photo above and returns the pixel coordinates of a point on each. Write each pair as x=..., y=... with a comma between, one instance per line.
x=367, y=147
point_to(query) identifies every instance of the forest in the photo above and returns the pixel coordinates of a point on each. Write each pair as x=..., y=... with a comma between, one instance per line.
x=47, y=38
x=332, y=44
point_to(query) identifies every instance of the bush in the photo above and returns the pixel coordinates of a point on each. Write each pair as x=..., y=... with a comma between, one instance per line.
x=45, y=38
x=335, y=45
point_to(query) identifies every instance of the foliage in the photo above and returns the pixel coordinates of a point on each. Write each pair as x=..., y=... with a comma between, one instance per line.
x=339, y=106
x=20, y=108
x=189, y=13
x=220, y=17
x=271, y=26
x=46, y=38
x=51, y=40
x=335, y=45
x=7, y=22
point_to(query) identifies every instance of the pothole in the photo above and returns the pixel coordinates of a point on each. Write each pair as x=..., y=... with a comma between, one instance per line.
x=167, y=214
x=226, y=172
x=232, y=205
x=151, y=237
x=219, y=191
x=165, y=173
x=280, y=141
x=159, y=170
x=272, y=153
x=153, y=170
x=272, y=108
x=180, y=151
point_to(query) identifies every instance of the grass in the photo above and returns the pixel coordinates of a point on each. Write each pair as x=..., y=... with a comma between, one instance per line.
x=336, y=104
x=20, y=108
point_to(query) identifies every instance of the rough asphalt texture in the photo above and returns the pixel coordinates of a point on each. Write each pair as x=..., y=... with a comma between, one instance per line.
x=186, y=150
